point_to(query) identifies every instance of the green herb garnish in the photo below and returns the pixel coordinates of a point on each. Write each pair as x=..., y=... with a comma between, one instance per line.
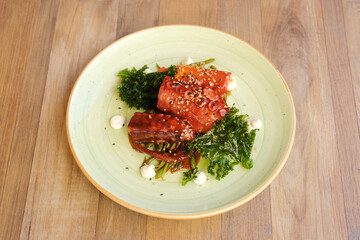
x=227, y=144
x=203, y=63
x=139, y=89
x=189, y=176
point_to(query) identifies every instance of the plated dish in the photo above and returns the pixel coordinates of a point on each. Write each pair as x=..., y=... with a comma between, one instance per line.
x=110, y=163
x=186, y=120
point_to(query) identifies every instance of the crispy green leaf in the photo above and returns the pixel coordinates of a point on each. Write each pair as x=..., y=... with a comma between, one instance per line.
x=139, y=89
x=227, y=144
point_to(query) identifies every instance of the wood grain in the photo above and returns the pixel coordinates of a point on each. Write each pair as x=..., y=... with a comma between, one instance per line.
x=347, y=129
x=115, y=220
x=351, y=11
x=59, y=195
x=44, y=45
x=251, y=221
x=134, y=15
x=206, y=228
x=200, y=12
x=307, y=190
x=21, y=155
x=13, y=61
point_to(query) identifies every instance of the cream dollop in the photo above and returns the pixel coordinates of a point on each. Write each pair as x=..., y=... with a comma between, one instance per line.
x=117, y=121
x=232, y=84
x=253, y=123
x=187, y=61
x=200, y=178
x=148, y=171
x=147, y=71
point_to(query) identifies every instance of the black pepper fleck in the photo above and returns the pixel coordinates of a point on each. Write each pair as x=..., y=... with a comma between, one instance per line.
x=126, y=168
x=113, y=143
x=161, y=194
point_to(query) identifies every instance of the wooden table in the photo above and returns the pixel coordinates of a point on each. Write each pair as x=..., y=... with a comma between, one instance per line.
x=44, y=45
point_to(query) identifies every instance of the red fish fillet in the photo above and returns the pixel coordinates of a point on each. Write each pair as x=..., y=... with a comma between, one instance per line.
x=204, y=77
x=201, y=107
x=151, y=127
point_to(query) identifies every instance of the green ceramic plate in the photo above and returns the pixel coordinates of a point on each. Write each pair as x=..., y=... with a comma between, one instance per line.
x=106, y=157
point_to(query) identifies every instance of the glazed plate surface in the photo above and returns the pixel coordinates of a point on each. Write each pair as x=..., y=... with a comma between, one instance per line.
x=106, y=157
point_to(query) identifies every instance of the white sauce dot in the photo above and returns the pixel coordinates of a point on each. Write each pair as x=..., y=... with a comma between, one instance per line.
x=147, y=71
x=148, y=171
x=232, y=84
x=187, y=61
x=117, y=122
x=253, y=123
x=256, y=123
x=200, y=178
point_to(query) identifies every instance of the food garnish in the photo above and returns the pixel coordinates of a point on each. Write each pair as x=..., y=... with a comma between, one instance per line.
x=187, y=119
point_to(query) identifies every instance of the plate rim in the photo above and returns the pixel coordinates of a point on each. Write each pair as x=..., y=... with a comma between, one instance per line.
x=182, y=216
